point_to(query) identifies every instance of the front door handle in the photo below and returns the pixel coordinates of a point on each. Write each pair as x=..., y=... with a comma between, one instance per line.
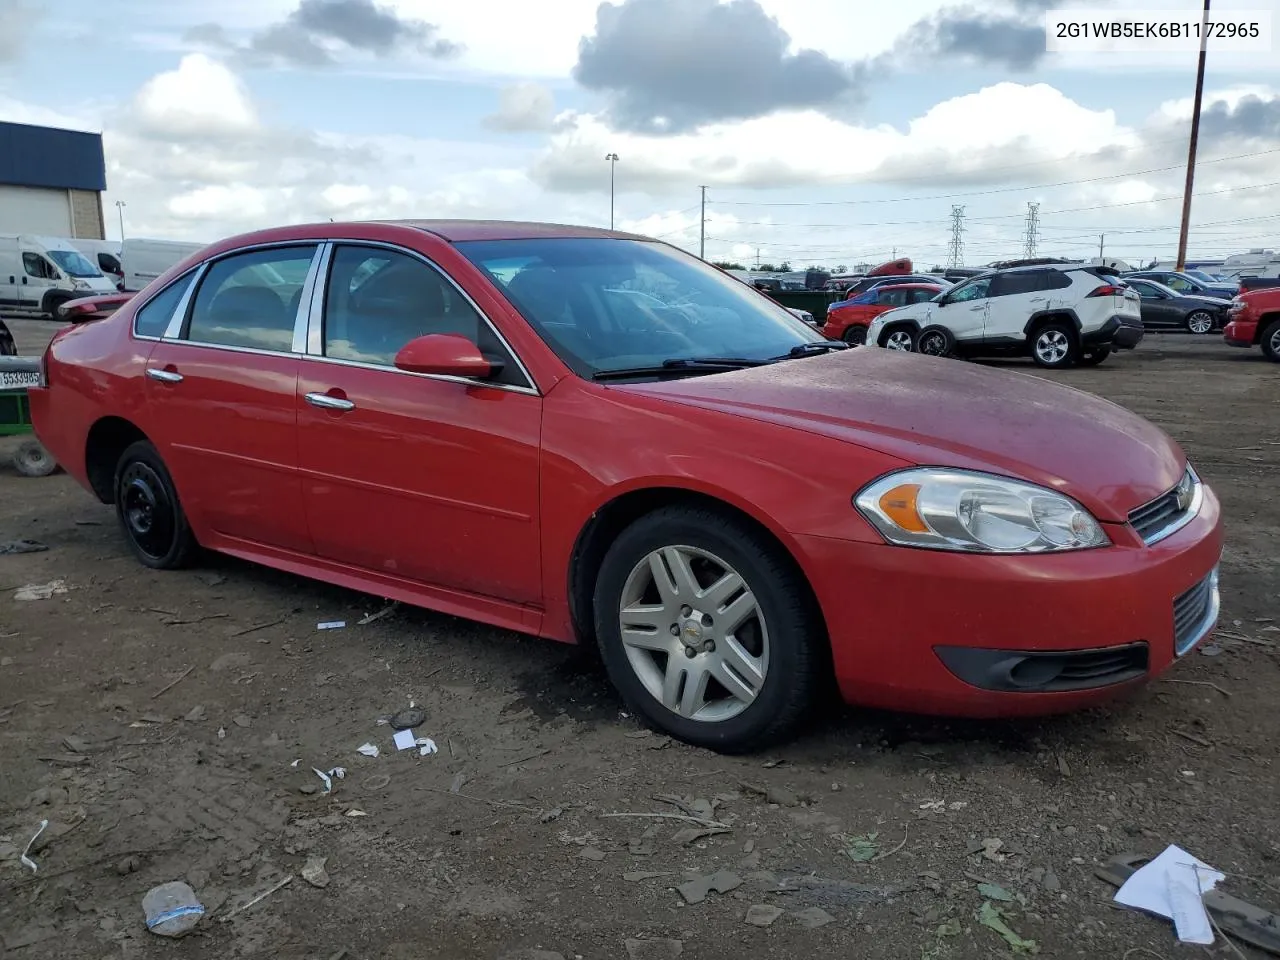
x=325, y=402
x=164, y=376
x=975, y=309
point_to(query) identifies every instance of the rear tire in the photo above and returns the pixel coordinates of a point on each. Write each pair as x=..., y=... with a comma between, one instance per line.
x=31, y=459
x=148, y=508
x=936, y=342
x=1091, y=358
x=855, y=336
x=1054, y=346
x=1199, y=322
x=761, y=632
x=7, y=346
x=1271, y=341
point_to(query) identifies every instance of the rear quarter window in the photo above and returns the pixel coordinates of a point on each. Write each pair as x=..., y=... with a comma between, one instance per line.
x=152, y=319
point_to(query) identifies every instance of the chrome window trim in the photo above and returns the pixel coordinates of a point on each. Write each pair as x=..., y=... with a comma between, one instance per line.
x=191, y=276
x=314, y=341
x=315, y=330
x=465, y=381
x=302, y=317
x=179, y=318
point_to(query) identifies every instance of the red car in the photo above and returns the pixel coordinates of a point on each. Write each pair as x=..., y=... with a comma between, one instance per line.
x=1255, y=321
x=848, y=320
x=598, y=438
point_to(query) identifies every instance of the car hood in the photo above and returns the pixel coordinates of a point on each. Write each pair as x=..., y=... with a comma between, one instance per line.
x=1209, y=300
x=943, y=412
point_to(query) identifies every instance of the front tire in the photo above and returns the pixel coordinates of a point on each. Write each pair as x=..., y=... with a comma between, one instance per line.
x=149, y=510
x=707, y=630
x=900, y=339
x=1271, y=341
x=1054, y=346
x=1199, y=322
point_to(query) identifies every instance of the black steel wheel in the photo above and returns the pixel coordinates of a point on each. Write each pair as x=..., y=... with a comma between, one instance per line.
x=149, y=510
x=856, y=335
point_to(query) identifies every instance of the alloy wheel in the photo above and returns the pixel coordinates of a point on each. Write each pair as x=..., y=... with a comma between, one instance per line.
x=1052, y=347
x=899, y=340
x=148, y=513
x=1275, y=341
x=1200, y=322
x=694, y=633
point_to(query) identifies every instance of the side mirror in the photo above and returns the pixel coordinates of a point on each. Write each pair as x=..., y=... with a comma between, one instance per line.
x=445, y=354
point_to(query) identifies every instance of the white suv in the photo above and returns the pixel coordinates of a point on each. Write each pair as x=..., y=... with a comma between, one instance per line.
x=1058, y=314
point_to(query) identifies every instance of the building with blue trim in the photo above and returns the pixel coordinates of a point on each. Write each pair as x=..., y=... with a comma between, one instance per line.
x=51, y=181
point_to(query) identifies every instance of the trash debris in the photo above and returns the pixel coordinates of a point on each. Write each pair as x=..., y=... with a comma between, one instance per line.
x=408, y=719
x=813, y=917
x=258, y=899
x=762, y=914
x=426, y=746
x=172, y=909
x=404, y=740
x=642, y=875
x=861, y=849
x=296, y=762
x=41, y=591
x=696, y=890
x=377, y=782
x=331, y=625
x=26, y=860
x=591, y=853
x=992, y=917
x=11, y=547
x=196, y=714
x=337, y=773
x=373, y=617
x=355, y=813
x=368, y=749
x=693, y=834
x=222, y=733
x=314, y=873
x=1172, y=886
x=994, y=891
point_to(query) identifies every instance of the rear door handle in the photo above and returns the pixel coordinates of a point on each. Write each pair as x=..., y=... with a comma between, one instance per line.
x=326, y=402
x=978, y=308
x=164, y=376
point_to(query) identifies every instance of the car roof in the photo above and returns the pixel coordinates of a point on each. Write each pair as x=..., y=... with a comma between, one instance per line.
x=461, y=230
x=913, y=285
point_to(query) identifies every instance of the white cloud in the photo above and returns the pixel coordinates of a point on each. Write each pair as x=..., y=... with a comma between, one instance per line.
x=523, y=108
x=200, y=98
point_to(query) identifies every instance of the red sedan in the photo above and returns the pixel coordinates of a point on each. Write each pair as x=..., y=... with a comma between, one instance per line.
x=597, y=438
x=848, y=320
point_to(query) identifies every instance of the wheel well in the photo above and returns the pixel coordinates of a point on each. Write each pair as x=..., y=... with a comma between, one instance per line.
x=54, y=299
x=1264, y=321
x=108, y=439
x=1036, y=324
x=892, y=325
x=615, y=516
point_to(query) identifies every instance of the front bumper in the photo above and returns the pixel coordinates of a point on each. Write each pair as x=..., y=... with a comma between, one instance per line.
x=1240, y=333
x=1122, y=332
x=925, y=631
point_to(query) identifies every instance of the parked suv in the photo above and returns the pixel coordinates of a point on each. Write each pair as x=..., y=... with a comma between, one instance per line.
x=1057, y=314
x=1255, y=321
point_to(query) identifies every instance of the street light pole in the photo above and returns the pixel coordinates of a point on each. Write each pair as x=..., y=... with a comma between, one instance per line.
x=1195, y=139
x=613, y=161
x=120, y=205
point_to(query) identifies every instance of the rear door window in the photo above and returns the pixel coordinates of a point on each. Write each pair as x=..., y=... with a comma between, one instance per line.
x=251, y=299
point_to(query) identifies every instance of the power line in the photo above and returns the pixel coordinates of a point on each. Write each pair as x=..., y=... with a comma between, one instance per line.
x=984, y=193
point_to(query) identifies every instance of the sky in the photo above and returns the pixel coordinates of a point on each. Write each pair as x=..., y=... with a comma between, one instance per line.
x=826, y=132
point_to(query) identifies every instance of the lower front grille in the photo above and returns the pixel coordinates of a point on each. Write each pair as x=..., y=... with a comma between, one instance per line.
x=1195, y=613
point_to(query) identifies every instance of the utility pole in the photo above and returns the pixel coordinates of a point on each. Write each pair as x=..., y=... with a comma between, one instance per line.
x=1033, y=231
x=956, y=255
x=613, y=162
x=702, y=226
x=757, y=258
x=1195, y=138
x=120, y=205
x=1102, y=239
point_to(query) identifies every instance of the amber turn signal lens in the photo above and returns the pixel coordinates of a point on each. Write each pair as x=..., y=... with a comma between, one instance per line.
x=899, y=505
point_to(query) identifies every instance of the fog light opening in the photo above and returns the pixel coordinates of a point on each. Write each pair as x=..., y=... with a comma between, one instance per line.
x=1034, y=672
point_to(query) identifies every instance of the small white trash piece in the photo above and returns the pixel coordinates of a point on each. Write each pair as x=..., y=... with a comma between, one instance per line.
x=368, y=749
x=337, y=773
x=26, y=860
x=1173, y=886
x=172, y=909
x=41, y=591
x=331, y=625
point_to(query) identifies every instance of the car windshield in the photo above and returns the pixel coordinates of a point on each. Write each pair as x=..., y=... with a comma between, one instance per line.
x=74, y=264
x=608, y=304
x=1202, y=277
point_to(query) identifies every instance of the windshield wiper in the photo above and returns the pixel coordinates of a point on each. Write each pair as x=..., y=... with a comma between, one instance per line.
x=682, y=365
x=813, y=349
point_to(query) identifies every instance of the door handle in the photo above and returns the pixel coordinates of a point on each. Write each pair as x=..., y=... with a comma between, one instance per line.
x=326, y=402
x=164, y=376
x=974, y=309
x=1037, y=299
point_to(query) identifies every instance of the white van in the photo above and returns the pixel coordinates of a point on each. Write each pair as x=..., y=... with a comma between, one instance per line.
x=106, y=254
x=144, y=260
x=39, y=274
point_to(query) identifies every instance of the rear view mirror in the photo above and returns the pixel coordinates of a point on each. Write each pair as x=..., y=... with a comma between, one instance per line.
x=444, y=354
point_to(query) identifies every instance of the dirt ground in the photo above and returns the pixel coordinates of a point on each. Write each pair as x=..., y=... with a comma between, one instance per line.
x=167, y=724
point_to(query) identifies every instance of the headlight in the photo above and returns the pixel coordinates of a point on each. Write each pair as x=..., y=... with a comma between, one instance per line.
x=975, y=512
x=79, y=285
